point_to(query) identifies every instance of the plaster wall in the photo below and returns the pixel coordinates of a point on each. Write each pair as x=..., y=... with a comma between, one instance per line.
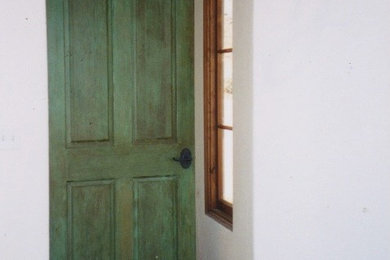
x=24, y=173
x=321, y=124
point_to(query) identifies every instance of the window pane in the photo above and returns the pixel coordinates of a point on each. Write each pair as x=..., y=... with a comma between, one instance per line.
x=227, y=24
x=226, y=163
x=225, y=89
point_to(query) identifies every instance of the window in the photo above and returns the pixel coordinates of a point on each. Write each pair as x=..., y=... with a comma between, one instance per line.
x=218, y=100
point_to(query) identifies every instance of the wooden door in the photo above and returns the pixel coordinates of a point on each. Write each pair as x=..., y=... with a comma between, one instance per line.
x=121, y=106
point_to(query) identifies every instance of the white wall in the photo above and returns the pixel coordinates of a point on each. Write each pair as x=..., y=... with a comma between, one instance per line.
x=321, y=129
x=214, y=241
x=24, y=221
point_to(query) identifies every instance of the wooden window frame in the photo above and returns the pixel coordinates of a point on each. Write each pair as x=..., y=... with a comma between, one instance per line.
x=216, y=207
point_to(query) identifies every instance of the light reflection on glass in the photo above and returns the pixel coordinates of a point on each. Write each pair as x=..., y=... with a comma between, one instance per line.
x=227, y=164
x=227, y=24
x=227, y=116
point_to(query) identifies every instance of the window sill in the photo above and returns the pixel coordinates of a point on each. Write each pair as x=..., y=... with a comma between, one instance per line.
x=221, y=217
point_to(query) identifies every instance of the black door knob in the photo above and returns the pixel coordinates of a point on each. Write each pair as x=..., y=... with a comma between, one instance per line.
x=185, y=158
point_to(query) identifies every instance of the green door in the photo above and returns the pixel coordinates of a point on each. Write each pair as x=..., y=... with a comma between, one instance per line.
x=121, y=106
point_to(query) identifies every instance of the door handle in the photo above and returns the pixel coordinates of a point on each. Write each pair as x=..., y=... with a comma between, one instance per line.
x=185, y=158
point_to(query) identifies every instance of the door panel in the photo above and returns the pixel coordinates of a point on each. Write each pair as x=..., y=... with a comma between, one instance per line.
x=88, y=70
x=155, y=212
x=121, y=106
x=155, y=55
x=91, y=219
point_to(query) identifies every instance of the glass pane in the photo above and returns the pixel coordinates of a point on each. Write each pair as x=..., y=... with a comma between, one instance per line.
x=227, y=24
x=226, y=89
x=226, y=137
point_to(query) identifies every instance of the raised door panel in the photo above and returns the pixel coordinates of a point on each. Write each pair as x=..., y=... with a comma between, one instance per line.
x=155, y=218
x=88, y=67
x=91, y=220
x=155, y=101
